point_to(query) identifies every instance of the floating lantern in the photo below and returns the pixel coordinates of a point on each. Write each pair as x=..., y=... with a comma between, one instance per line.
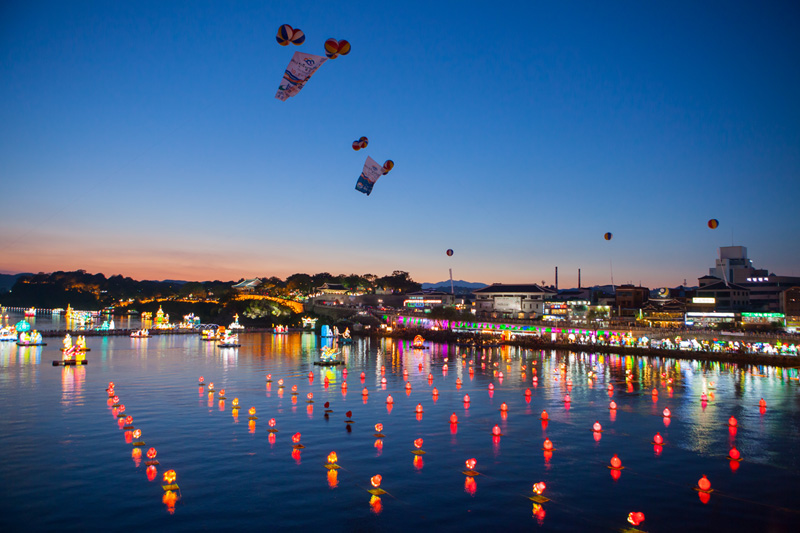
x=419, y=408
x=435, y=392
x=222, y=394
x=128, y=422
x=636, y=518
x=364, y=376
x=310, y=375
x=120, y=410
x=344, y=386
x=453, y=419
x=655, y=392
x=296, y=441
x=332, y=460
x=616, y=463
x=379, y=430
x=544, y=416
x=667, y=413
x=151, y=473
x=548, y=445
x=658, y=439
x=280, y=383
x=732, y=422
x=704, y=397
x=539, y=487
x=466, y=398
x=458, y=383
x=365, y=392
x=383, y=381
x=704, y=485
x=252, y=413
x=389, y=400
x=430, y=376
x=491, y=386
x=200, y=381
x=408, y=385
x=471, y=463
x=168, y=480
x=596, y=427
x=294, y=389
x=504, y=407
x=211, y=386
x=734, y=455
x=762, y=404
x=375, y=481
x=310, y=397
x=613, y=405
x=496, y=431
x=535, y=379
x=111, y=384
x=269, y=378
x=567, y=399
x=527, y=393
x=235, y=404
x=444, y=368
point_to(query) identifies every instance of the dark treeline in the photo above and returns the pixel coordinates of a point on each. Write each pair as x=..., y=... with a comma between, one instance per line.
x=94, y=291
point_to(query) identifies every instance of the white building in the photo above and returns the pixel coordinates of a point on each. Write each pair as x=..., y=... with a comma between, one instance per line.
x=512, y=301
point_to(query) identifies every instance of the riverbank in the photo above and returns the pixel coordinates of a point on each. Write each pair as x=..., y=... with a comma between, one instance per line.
x=538, y=343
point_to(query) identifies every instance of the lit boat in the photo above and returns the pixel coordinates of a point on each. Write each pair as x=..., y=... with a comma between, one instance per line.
x=30, y=312
x=419, y=342
x=229, y=341
x=141, y=333
x=210, y=335
x=32, y=338
x=8, y=333
x=72, y=356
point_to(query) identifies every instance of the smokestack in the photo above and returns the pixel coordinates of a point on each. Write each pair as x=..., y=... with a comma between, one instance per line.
x=556, y=278
x=579, y=278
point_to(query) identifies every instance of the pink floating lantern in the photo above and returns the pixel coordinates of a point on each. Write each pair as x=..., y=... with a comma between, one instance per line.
x=616, y=463
x=567, y=399
x=491, y=386
x=539, y=487
x=658, y=439
x=596, y=427
x=613, y=405
x=419, y=408
x=470, y=463
x=667, y=413
x=496, y=431
x=636, y=518
x=383, y=381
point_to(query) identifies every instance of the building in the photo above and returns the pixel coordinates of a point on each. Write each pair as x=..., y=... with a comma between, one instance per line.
x=630, y=299
x=331, y=293
x=717, y=295
x=663, y=313
x=248, y=285
x=525, y=300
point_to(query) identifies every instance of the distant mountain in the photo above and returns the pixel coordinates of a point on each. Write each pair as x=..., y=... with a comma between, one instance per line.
x=7, y=280
x=459, y=285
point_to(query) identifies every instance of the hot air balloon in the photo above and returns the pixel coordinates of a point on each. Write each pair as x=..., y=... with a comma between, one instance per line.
x=449, y=252
x=387, y=166
x=608, y=236
x=713, y=223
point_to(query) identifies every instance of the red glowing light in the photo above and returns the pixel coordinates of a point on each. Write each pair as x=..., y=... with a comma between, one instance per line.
x=252, y=411
x=344, y=385
x=419, y=408
x=376, y=480
x=732, y=422
x=567, y=399
x=503, y=406
x=667, y=413
x=491, y=386
x=418, y=462
x=151, y=473
x=704, y=484
x=458, y=383
x=453, y=419
x=389, y=400
x=201, y=380
x=294, y=388
x=596, y=427
x=365, y=392
x=271, y=422
x=496, y=431
x=466, y=398
x=734, y=454
x=333, y=478
x=655, y=392
x=636, y=518
x=418, y=443
x=310, y=395
x=527, y=393
x=136, y=453
x=545, y=416
x=296, y=455
x=548, y=445
x=364, y=376
x=296, y=438
x=762, y=404
x=435, y=391
x=471, y=463
x=615, y=474
x=539, y=487
x=658, y=439
x=704, y=496
x=169, y=477
x=616, y=463
x=470, y=485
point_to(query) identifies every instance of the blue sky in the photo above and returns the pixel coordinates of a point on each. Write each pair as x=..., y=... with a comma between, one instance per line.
x=143, y=138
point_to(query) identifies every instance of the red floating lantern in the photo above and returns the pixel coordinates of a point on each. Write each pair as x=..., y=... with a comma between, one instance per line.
x=201, y=380
x=332, y=459
x=365, y=392
x=151, y=453
x=458, y=383
x=567, y=399
x=704, y=485
x=269, y=378
x=151, y=473
x=344, y=385
x=734, y=455
x=376, y=480
x=636, y=518
x=471, y=463
x=504, y=407
x=453, y=419
x=732, y=422
x=435, y=392
x=418, y=443
x=310, y=375
x=408, y=385
x=539, y=487
x=548, y=445
x=496, y=431
x=389, y=400
x=491, y=386
x=364, y=376
x=296, y=438
x=545, y=416
x=383, y=381
x=280, y=382
x=658, y=439
x=655, y=392
x=762, y=404
x=616, y=463
x=419, y=408
x=169, y=477
x=596, y=427
x=612, y=405
x=466, y=398
x=379, y=427
x=527, y=393
x=271, y=422
x=667, y=413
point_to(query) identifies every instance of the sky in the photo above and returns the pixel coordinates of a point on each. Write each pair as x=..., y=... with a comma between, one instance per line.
x=144, y=139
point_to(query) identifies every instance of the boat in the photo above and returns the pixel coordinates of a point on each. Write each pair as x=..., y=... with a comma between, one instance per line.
x=73, y=356
x=329, y=357
x=419, y=343
x=33, y=338
x=280, y=329
x=30, y=312
x=140, y=334
x=8, y=333
x=229, y=341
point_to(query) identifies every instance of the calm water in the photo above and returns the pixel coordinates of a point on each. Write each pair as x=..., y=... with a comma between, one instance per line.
x=65, y=463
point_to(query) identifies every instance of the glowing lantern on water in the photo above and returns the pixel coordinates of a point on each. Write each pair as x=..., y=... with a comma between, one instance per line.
x=419, y=408
x=496, y=431
x=296, y=438
x=704, y=484
x=762, y=404
x=120, y=410
x=383, y=381
x=294, y=389
x=236, y=403
x=344, y=385
x=435, y=392
x=378, y=427
x=613, y=405
x=733, y=422
x=539, y=487
x=527, y=393
x=408, y=385
x=545, y=416
x=636, y=518
x=269, y=378
x=128, y=420
x=453, y=419
x=655, y=392
x=332, y=458
x=365, y=392
x=280, y=382
x=252, y=412
x=151, y=453
x=548, y=445
x=271, y=423
x=389, y=400
x=667, y=413
x=503, y=406
x=471, y=464
x=734, y=455
x=596, y=427
x=430, y=376
x=376, y=480
x=567, y=399
x=151, y=473
x=310, y=375
x=658, y=439
x=364, y=376
x=616, y=463
x=169, y=477
x=466, y=398
x=211, y=386
x=418, y=443
x=310, y=396
x=491, y=386
x=444, y=368
x=201, y=380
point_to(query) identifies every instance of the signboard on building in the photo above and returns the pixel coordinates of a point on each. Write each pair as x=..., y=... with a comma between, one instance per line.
x=508, y=304
x=703, y=300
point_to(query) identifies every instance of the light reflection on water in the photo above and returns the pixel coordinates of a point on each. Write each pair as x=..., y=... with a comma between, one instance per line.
x=61, y=441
